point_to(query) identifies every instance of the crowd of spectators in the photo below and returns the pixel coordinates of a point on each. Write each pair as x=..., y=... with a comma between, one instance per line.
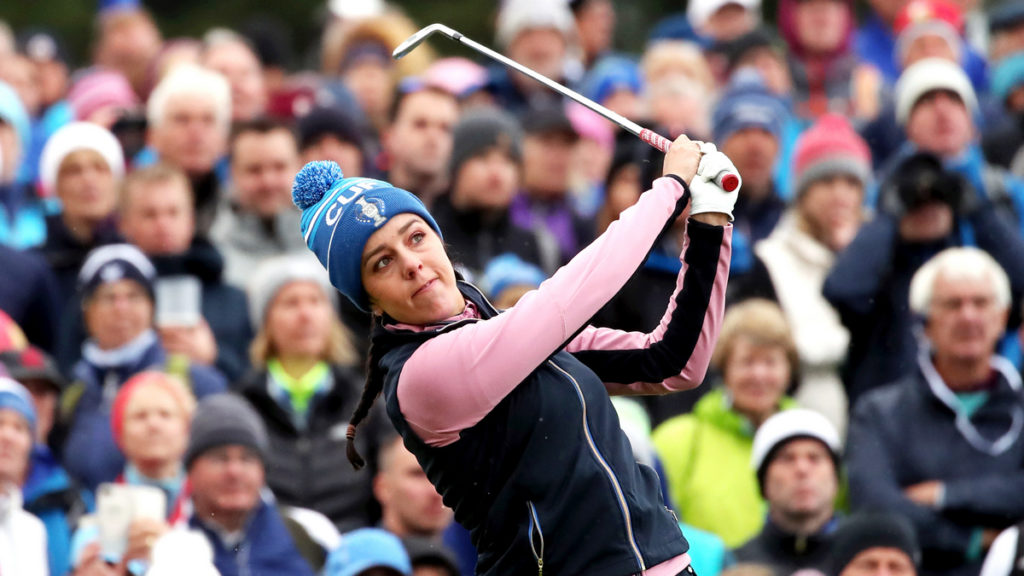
x=177, y=373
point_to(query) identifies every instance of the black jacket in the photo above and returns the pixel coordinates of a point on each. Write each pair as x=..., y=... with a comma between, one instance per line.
x=65, y=253
x=308, y=468
x=904, y=434
x=786, y=553
x=475, y=238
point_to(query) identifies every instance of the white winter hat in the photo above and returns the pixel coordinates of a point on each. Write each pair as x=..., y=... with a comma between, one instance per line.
x=78, y=136
x=519, y=15
x=927, y=76
x=698, y=12
x=789, y=425
x=274, y=273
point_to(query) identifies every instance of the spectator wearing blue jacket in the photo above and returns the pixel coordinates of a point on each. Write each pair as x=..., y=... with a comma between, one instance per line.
x=116, y=283
x=959, y=395
x=49, y=493
x=922, y=210
x=937, y=107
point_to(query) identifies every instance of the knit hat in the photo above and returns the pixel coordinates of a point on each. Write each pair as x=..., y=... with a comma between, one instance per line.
x=113, y=262
x=101, y=89
x=547, y=119
x=830, y=146
x=174, y=387
x=42, y=45
x=1005, y=16
x=790, y=425
x=591, y=126
x=519, y=15
x=481, y=129
x=275, y=273
x=698, y=12
x=32, y=364
x=735, y=50
x=14, y=396
x=456, y=75
x=367, y=548
x=224, y=419
x=1007, y=77
x=609, y=75
x=509, y=270
x=340, y=214
x=747, y=103
x=78, y=136
x=11, y=335
x=922, y=17
x=927, y=76
x=328, y=120
x=427, y=552
x=864, y=531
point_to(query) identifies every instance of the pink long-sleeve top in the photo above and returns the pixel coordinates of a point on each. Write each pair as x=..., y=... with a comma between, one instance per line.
x=452, y=381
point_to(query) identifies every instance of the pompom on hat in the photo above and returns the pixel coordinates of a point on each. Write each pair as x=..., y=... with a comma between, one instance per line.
x=340, y=214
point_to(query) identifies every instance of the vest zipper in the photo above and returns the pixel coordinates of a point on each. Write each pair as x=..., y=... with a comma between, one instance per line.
x=607, y=469
x=535, y=524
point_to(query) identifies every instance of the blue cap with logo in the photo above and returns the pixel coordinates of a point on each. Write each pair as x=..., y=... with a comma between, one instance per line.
x=340, y=214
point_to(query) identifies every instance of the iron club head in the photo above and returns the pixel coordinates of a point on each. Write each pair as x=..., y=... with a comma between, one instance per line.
x=416, y=39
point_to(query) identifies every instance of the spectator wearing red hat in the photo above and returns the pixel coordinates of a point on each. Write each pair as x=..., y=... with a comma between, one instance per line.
x=831, y=171
x=149, y=420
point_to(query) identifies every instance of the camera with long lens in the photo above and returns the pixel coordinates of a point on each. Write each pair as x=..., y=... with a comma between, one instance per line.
x=921, y=179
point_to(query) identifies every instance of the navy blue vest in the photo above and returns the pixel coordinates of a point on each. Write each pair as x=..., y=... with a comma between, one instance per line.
x=547, y=480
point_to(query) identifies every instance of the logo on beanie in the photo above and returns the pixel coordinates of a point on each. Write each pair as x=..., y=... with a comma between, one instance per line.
x=111, y=273
x=371, y=211
x=345, y=198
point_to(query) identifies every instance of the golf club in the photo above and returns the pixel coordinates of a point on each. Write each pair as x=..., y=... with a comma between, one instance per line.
x=725, y=179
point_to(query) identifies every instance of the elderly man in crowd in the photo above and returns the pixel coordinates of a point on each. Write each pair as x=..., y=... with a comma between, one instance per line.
x=961, y=397
x=189, y=114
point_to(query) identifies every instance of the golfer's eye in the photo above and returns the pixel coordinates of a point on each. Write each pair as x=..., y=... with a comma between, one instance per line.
x=382, y=263
x=417, y=237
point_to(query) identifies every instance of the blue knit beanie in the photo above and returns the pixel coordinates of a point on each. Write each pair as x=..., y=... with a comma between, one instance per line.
x=1008, y=75
x=14, y=396
x=340, y=214
x=747, y=103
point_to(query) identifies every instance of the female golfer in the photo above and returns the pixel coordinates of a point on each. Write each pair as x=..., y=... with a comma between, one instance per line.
x=509, y=414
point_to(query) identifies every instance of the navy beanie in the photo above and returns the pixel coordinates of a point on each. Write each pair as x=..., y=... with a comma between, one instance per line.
x=114, y=262
x=340, y=214
x=747, y=103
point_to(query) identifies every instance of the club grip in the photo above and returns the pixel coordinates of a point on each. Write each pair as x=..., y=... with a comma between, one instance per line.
x=725, y=180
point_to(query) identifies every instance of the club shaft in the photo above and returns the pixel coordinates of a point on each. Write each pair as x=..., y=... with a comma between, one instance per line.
x=626, y=123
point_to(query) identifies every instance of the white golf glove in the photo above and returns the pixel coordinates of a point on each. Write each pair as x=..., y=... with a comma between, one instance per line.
x=706, y=194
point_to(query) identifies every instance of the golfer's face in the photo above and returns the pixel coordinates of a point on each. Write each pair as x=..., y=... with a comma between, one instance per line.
x=407, y=273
